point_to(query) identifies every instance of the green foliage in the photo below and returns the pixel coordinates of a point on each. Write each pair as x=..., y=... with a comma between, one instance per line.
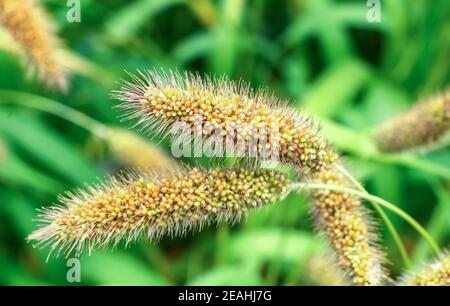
x=322, y=55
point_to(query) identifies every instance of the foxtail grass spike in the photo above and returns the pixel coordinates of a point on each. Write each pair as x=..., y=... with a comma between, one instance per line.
x=158, y=100
x=435, y=273
x=29, y=26
x=426, y=125
x=152, y=206
x=323, y=272
x=346, y=226
x=134, y=151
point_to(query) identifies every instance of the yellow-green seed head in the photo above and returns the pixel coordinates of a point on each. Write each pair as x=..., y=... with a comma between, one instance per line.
x=435, y=273
x=342, y=219
x=424, y=125
x=31, y=29
x=134, y=151
x=153, y=207
x=160, y=100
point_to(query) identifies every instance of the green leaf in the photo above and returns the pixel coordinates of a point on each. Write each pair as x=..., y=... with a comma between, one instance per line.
x=119, y=268
x=125, y=23
x=264, y=244
x=336, y=88
x=237, y=275
x=47, y=146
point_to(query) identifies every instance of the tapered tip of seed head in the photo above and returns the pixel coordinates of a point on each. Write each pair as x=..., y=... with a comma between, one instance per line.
x=425, y=126
x=133, y=150
x=434, y=273
x=155, y=206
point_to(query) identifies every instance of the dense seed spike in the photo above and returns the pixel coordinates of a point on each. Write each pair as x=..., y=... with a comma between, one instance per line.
x=344, y=221
x=435, y=273
x=159, y=100
x=132, y=150
x=28, y=24
x=425, y=125
x=155, y=206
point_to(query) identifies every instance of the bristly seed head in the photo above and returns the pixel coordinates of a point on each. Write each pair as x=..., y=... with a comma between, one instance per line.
x=154, y=206
x=159, y=100
x=435, y=273
x=31, y=29
x=343, y=220
x=423, y=126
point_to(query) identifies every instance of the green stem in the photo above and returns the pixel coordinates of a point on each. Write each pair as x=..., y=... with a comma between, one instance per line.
x=55, y=108
x=376, y=199
x=391, y=228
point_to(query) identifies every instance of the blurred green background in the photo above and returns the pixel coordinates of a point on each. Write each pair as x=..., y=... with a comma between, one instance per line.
x=322, y=55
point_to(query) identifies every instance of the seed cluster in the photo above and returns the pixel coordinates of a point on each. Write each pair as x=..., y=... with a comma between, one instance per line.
x=343, y=220
x=425, y=124
x=168, y=206
x=160, y=100
x=132, y=150
x=28, y=25
x=436, y=273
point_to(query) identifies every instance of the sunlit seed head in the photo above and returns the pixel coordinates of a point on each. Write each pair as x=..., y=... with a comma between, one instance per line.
x=155, y=206
x=29, y=26
x=344, y=222
x=425, y=125
x=157, y=100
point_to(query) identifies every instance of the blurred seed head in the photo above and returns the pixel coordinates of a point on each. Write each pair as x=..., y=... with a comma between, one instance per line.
x=424, y=125
x=435, y=273
x=158, y=100
x=134, y=151
x=323, y=272
x=31, y=28
x=345, y=223
x=154, y=206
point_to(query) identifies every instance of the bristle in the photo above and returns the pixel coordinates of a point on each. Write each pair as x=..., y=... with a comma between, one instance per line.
x=158, y=100
x=346, y=225
x=426, y=125
x=27, y=23
x=133, y=151
x=151, y=206
x=435, y=273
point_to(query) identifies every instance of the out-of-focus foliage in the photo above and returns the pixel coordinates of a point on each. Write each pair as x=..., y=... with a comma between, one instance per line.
x=322, y=55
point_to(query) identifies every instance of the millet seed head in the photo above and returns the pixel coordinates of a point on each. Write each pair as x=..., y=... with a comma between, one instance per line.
x=154, y=206
x=435, y=273
x=134, y=151
x=423, y=126
x=158, y=100
x=31, y=28
x=343, y=220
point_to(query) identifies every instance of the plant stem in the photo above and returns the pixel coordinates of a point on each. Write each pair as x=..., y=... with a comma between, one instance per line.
x=376, y=199
x=55, y=108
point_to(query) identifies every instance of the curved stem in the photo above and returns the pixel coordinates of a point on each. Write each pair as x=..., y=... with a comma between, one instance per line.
x=376, y=199
x=391, y=228
x=55, y=108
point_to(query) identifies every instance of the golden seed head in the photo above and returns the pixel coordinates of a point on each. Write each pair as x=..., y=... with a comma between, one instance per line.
x=156, y=206
x=159, y=100
x=343, y=220
x=435, y=273
x=132, y=150
x=426, y=124
x=29, y=26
